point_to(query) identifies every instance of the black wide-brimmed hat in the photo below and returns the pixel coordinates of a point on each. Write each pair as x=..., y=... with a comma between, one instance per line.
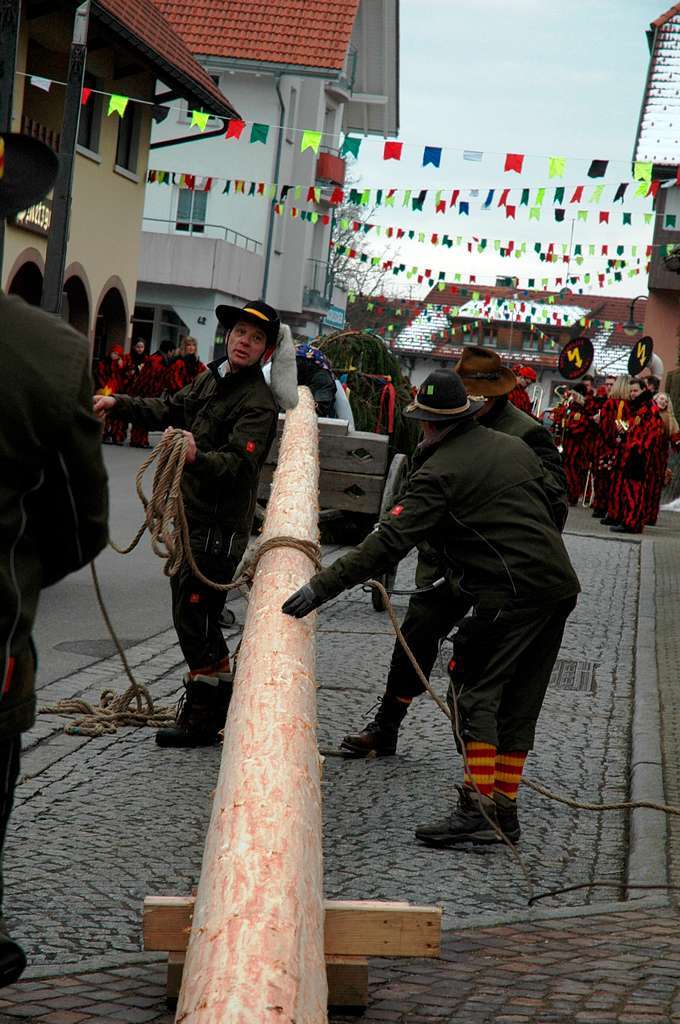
x=442, y=398
x=483, y=373
x=256, y=312
x=28, y=169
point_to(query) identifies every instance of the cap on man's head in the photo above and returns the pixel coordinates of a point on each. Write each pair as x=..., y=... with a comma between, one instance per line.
x=442, y=398
x=28, y=170
x=256, y=312
x=483, y=373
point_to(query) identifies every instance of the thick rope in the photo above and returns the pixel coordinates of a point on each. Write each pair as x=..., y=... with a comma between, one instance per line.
x=579, y=805
x=165, y=519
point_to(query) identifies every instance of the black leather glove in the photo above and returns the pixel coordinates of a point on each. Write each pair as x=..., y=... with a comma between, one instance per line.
x=302, y=602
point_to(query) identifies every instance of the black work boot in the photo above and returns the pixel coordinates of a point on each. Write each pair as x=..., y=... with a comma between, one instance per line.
x=12, y=958
x=506, y=812
x=471, y=822
x=379, y=738
x=201, y=712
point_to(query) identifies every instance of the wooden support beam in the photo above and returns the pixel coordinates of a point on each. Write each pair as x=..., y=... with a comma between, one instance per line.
x=255, y=950
x=352, y=927
x=347, y=978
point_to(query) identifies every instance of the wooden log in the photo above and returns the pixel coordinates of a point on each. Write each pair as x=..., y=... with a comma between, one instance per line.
x=352, y=927
x=347, y=978
x=255, y=950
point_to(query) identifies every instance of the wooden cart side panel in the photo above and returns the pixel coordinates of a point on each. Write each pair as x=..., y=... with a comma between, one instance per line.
x=346, y=491
x=357, y=452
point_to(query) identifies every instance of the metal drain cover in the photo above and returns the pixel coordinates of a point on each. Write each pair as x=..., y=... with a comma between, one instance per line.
x=574, y=675
x=104, y=648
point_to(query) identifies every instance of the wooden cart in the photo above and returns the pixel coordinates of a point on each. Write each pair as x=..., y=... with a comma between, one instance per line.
x=356, y=475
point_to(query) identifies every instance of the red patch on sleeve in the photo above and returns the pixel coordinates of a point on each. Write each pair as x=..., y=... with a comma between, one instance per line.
x=6, y=682
x=194, y=598
x=397, y=510
x=250, y=446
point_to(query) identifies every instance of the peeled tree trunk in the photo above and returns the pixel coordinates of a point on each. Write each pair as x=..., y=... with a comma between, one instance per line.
x=256, y=950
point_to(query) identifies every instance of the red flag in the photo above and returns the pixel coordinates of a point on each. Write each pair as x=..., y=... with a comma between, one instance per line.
x=604, y=216
x=605, y=250
x=337, y=196
x=392, y=150
x=513, y=162
x=400, y=232
x=234, y=129
x=440, y=207
x=86, y=93
x=510, y=212
x=504, y=197
x=325, y=219
x=653, y=188
x=454, y=197
x=578, y=194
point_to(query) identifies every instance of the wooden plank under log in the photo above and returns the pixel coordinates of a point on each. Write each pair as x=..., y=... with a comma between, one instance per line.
x=255, y=952
x=347, y=978
x=352, y=927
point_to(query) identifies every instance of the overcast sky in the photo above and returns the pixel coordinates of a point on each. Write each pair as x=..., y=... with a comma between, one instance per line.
x=540, y=77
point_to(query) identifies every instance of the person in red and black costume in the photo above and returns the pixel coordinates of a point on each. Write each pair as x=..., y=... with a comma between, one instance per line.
x=184, y=370
x=610, y=402
x=138, y=367
x=573, y=430
x=660, y=474
x=640, y=444
x=112, y=374
x=519, y=396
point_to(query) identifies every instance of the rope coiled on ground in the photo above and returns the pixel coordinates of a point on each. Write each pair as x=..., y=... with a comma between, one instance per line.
x=165, y=519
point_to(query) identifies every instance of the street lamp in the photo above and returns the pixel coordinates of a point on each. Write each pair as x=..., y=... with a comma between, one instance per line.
x=631, y=327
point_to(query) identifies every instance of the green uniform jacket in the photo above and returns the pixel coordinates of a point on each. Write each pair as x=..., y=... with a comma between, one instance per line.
x=53, y=490
x=233, y=420
x=477, y=497
x=507, y=418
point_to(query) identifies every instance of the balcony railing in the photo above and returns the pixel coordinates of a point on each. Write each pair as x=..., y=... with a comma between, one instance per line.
x=50, y=136
x=180, y=227
x=318, y=288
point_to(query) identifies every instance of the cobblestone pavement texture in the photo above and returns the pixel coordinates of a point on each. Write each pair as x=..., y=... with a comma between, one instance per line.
x=101, y=823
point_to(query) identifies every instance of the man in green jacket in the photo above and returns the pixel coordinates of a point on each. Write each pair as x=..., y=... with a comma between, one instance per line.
x=476, y=497
x=433, y=611
x=229, y=416
x=53, y=491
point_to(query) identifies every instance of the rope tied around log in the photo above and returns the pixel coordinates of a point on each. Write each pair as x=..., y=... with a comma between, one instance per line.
x=165, y=519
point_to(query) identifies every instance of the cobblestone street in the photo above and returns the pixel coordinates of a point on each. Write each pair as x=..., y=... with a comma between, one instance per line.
x=101, y=823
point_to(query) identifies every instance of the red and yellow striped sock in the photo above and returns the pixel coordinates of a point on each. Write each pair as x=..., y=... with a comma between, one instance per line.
x=481, y=767
x=509, y=767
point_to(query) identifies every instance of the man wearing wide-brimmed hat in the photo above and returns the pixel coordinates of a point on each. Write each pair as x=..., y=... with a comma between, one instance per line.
x=53, y=493
x=476, y=498
x=229, y=416
x=433, y=611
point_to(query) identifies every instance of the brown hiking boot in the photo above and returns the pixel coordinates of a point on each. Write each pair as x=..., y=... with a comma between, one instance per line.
x=379, y=738
x=201, y=712
x=472, y=822
x=506, y=811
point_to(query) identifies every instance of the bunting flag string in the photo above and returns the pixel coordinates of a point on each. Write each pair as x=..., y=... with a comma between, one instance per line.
x=439, y=278
x=549, y=252
x=392, y=149
x=415, y=202
x=526, y=307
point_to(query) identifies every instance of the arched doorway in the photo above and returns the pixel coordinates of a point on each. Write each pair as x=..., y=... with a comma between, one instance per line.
x=28, y=283
x=111, y=324
x=77, y=305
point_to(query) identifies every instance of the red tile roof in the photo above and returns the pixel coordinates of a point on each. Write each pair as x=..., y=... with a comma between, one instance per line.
x=663, y=18
x=142, y=26
x=307, y=33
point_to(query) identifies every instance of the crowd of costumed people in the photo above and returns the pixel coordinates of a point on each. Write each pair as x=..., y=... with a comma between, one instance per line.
x=615, y=435
x=145, y=376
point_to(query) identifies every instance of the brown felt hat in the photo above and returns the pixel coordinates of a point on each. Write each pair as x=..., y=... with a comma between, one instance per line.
x=483, y=374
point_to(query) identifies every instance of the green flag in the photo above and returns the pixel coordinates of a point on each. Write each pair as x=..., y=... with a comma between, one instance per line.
x=351, y=146
x=199, y=119
x=259, y=133
x=117, y=105
x=310, y=140
x=642, y=170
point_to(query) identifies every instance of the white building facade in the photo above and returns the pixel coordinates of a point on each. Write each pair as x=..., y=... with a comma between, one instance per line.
x=201, y=248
